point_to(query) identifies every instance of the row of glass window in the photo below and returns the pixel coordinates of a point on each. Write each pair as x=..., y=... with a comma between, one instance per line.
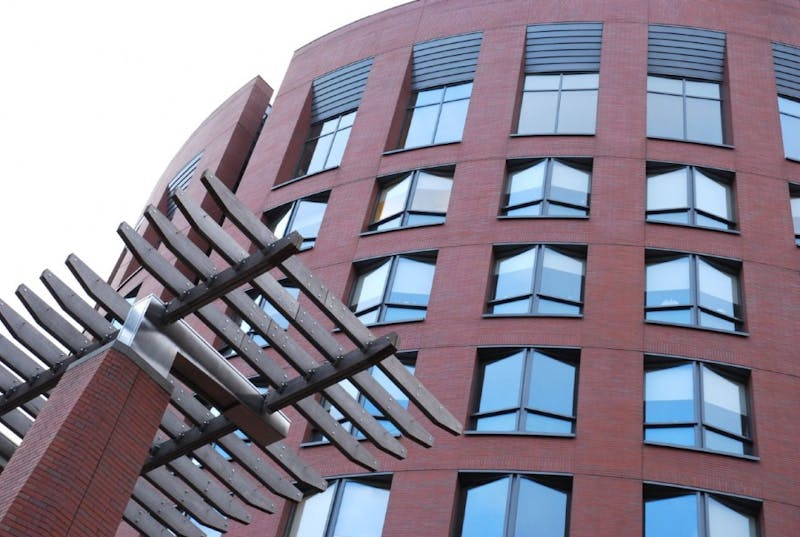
x=522, y=505
x=552, y=104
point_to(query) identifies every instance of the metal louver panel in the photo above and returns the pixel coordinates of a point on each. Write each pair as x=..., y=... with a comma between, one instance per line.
x=339, y=91
x=180, y=182
x=563, y=48
x=686, y=52
x=445, y=61
x=787, y=69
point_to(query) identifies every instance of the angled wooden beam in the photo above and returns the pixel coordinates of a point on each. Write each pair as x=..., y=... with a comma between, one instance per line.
x=330, y=304
x=174, y=488
x=29, y=337
x=97, y=288
x=16, y=360
x=139, y=519
x=39, y=384
x=187, y=441
x=243, y=305
x=164, y=510
x=16, y=421
x=52, y=322
x=77, y=308
x=211, y=490
x=229, y=332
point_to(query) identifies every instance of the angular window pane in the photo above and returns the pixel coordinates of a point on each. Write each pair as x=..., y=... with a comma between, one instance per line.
x=412, y=282
x=726, y=444
x=515, y=275
x=318, y=151
x=329, y=126
x=664, y=116
x=795, y=206
x=678, y=436
x=459, y=91
x=428, y=96
x=790, y=129
x=552, y=385
x=279, y=228
x=527, y=184
x=569, y=185
x=725, y=522
x=308, y=217
x=536, y=423
x=502, y=422
x=392, y=199
x=665, y=85
x=724, y=403
x=680, y=316
x=347, y=120
x=362, y=511
x=702, y=89
x=668, y=283
x=313, y=513
x=502, y=382
x=542, y=82
x=541, y=510
x=577, y=112
x=583, y=81
x=370, y=287
x=432, y=193
x=669, y=395
x=512, y=308
x=718, y=290
x=788, y=106
x=537, y=114
x=421, y=126
x=712, y=196
x=451, y=122
x=703, y=120
x=337, y=148
x=485, y=509
x=562, y=276
x=671, y=517
x=667, y=191
x=394, y=314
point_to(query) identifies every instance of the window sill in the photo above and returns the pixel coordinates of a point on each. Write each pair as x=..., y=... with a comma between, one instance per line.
x=690, y=226
x=753, y=458
x=549, y=134
x=381, y=231
x=406, y=149
x=519, y=433
x=535, y=315
x=704, y=328
x=543, y=217
x=301, y=178
x=696, y=142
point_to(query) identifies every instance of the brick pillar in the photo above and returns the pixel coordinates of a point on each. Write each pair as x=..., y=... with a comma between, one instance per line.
x=74, y=472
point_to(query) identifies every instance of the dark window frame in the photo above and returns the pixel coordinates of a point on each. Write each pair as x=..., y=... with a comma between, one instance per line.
x=489, y=355
x=559, y=93
x=722, y=177
x=685, y=138
x=310, y=144
x=789, y=153
x=534, y=294
x=794, y=194
x=516, y=165
x=734, y=374
x=388, y=181
x=727, y=266
x=366, y=266
x=273, y=216
x=470, y=479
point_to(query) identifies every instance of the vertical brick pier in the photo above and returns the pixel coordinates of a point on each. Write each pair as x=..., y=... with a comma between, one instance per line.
x=74, y=472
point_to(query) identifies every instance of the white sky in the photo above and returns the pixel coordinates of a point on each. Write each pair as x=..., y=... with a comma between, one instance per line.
x=98, y=95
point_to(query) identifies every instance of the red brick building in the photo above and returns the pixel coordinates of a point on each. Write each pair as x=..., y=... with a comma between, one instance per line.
x=578, y=216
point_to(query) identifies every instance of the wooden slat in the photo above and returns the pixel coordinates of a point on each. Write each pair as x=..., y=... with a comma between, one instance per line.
x=77, y=308
x=52, y=322
x=186, y=498
x=29, y=337
x=16, y=360
x=329, y=304
x=211, y=490
x=139, y=519
x=287, y=306
x=212, y=461
x=97, y=288
x=243, y=306
x=176, y=282
x=164, y=510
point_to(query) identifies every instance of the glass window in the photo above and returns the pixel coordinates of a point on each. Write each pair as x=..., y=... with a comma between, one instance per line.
x=353, y=507
x=690, y=195
x=559, y=104
x=547, y=187
x=693, y=290
x=436, y=116
x=514, y=505
x=526, y=390
x=325, y=144
x=538, y=279
x=684, y=110
x=675, y=512
x=697, y=404
x=304, y=216
x=409, y=361
x=416, y=198
x=794, y=200
x=265, y=305
x=393, y=289
x=790, y=126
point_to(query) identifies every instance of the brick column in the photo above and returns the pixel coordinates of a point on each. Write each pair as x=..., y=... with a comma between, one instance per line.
x=74, y=472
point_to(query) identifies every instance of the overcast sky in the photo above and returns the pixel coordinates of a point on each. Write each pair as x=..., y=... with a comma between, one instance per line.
x=97, y=96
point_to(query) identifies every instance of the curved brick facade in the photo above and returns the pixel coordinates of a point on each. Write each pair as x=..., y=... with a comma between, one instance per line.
x=606, y=461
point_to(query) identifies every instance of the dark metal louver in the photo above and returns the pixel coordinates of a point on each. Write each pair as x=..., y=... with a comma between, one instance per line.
x=787, y=69
x=339, y=91
x=563, y=48
x=686, y=52
x=448, y=60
